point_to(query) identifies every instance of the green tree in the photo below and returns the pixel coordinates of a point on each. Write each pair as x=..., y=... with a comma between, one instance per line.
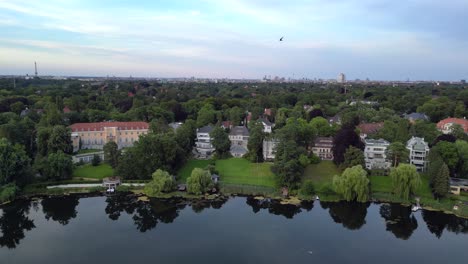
x=352, y=157
x=397, y=152
x=405, y=180
x=322, y=127
x=59, y=166
x=462, y=150
x=441, y=183
x=111, y=154
x=162, y=182
x=255, y=143
x=425, y=130
x=458, y=132
x=448, y=152
x=206, y=115
x=307, y=188
x=14, y=163
x=287, y=166
x=96, y=160
x=199, y=181
x=17, y=107
x=352, y=184
x=460, y=110
x=59, y=139
x=236, y=115
x=220, y=141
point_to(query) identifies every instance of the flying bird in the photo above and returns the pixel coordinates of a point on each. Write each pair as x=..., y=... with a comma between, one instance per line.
x=281, y=39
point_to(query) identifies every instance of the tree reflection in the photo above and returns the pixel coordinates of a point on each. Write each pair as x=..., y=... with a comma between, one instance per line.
x=199, y=205
x=60, y=209
x=351, y=215
x=145, y=215
x=14, y=222
x=399, y=220
x=277, y=208
x=437, y=222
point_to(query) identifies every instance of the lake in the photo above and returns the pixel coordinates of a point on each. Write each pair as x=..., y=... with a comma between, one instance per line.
x=121, y=229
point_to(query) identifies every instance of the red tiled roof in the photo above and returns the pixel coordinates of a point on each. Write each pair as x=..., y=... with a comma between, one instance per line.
x=101, y=125
x=370, y=128
x=66, y=109
x=460, y=121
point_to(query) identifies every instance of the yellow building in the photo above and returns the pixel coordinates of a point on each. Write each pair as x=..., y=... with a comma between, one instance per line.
x=96, y=135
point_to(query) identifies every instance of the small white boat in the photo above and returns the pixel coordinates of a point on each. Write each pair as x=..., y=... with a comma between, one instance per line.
x=316, y=197
x=415, y=208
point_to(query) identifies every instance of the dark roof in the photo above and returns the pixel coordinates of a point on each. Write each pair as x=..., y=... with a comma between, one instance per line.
x=458, y=182
x=416, y=116
x=239, y=131
x=266, y=121
x=205, y=129
x=238, y=149
x=324, y=142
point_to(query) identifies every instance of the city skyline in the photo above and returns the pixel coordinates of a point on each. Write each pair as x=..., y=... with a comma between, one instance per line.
x=417, y=40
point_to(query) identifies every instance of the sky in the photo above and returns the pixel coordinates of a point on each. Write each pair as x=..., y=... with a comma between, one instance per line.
x=375, y=39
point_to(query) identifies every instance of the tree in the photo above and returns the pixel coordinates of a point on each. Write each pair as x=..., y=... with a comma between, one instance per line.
x=352, y=184
x=236, y=115
x=315, y=113
x=397, y=152
x=322, y=127
x=435, y=163
x=448, y=152
x=352, y=157
x=96, y=160
x=287, y=166
x=441, y=183
x=307, y=188
x=111, y=154
x=58, y=139
x=458, y=132
x=395, y=130
x=462, y=167
x=220, y=141
x=14, y=163
x=255, y=143
x=59, y=166
x=206, y=115
x=199, y=181
x=425, y=130
x=162, y=182
x=405, y=180
x=343, y=139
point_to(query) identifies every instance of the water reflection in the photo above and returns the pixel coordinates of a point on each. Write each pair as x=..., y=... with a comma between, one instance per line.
x=437, y=222
x=199, y=205
x=60, y=209
x=399, y=220
x=277, y=208
x=350, y=215
x=14, y=222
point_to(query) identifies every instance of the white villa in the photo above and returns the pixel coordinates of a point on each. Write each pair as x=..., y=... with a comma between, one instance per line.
x=374, y=154
x=418, y=152
x=203, y=143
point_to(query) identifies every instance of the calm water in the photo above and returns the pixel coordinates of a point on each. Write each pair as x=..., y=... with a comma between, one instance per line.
x=236, y=230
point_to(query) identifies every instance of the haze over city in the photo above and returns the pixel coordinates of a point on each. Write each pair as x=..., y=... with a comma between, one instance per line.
x=380, y=40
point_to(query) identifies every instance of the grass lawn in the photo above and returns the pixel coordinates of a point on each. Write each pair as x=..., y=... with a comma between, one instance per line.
x=186, y=170
x=234, y=171
x=381, y=184
x=96, y=172
x=242, y=171
x=321, y=174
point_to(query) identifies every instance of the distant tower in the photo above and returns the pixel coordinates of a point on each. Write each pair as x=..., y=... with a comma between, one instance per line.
x=341, y=78
x=35, y=69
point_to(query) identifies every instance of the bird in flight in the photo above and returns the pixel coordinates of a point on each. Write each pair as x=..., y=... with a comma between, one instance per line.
x=281, y=39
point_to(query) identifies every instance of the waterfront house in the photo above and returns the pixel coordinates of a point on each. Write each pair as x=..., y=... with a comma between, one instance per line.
x=203, y=142
x=457, y=186
x=239, y=137
x=323, y=148
x=374, y=154
x=269, y=148
x=96, y=135
x=418, y=152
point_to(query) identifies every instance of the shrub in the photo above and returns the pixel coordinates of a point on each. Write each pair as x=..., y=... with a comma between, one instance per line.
x=307, y=188
x=96, y=160
x=8, y=192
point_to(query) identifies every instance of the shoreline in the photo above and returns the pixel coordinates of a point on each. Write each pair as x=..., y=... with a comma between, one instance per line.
x=292, y=199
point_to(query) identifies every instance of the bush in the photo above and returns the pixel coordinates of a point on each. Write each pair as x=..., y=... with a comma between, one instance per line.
x=123, y=188
x=96, y=160
x=307, y=188
x=314, y=159
x=8, y=192
x=199, y=181
x=304, y=160
x=162, y=182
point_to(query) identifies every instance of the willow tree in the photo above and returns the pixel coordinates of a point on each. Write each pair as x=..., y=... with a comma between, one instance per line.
x=405, y=180
x=352, y=184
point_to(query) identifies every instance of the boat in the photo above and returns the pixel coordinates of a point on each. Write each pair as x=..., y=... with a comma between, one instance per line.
x=316, y=197
x=415, y=208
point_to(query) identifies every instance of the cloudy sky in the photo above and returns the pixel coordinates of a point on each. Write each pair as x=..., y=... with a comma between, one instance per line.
x=376, y=39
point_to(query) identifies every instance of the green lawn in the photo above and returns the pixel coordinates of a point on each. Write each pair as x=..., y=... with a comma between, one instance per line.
x=186, y=170
x=242, y=171
x=97, y=172
x=234, y=171
x=321, y=174
x=381, y=184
